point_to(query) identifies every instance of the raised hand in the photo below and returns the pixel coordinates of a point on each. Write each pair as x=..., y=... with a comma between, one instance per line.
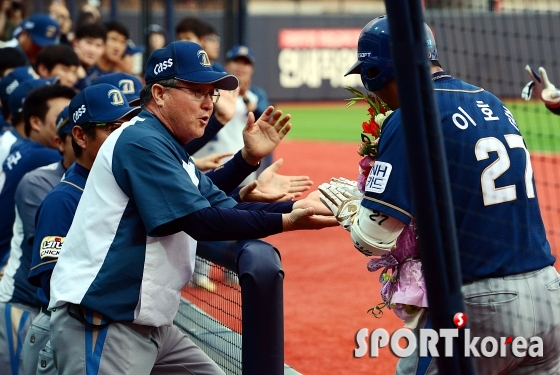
x=262, y=136
x=541, y=87
x=272, y=183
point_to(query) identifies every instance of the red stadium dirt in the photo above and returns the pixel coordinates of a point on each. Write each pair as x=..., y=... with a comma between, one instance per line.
x=327, y=288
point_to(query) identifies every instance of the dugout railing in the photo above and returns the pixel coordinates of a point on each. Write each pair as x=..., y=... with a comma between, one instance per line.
x=261, y=348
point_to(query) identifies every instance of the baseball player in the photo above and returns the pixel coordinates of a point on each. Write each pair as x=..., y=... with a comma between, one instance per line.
x=37, y=150
x=129, y=251
x=506, y=262
x=18, y=299
x=56, y=212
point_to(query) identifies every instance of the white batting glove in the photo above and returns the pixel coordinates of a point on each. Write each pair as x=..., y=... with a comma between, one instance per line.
x=347, y=185
x=342, y=203
x=541, y=87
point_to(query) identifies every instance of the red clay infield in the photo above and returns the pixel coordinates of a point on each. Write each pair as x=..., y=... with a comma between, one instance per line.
x=327, y=288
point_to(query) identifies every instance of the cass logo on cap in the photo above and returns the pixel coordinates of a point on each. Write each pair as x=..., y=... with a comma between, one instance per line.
x=364, y=54
x=160, y=67
x=79, y=112
x=116, y=97
x=126, y=86
x=50, y=246
x=204, y=60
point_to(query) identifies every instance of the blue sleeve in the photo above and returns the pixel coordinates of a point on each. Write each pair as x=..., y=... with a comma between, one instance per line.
x=154, y=176
x=228, y=176
x=387, y=186
x=52, y=222
x=29, y=194
x=213, y=127
x=222, y=224
x=279, y=207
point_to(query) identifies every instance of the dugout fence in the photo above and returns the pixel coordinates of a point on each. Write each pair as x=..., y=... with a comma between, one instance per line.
x=240, y=326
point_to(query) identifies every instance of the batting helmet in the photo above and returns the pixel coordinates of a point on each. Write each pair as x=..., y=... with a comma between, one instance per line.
x=375, y=64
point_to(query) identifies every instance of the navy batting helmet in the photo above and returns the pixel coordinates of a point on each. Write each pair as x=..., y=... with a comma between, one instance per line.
x=375, y=64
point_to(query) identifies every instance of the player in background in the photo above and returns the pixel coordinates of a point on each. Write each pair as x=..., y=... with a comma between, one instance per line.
x=59, y=61
x=163, y=213
x=30, y=192
x=542, y=88
x=34, y=34
x=196, y=30
x=115, y=47
x=19, y=303
x=35, y=149
x=56, y=212
x=89, y=45
x=506, y=262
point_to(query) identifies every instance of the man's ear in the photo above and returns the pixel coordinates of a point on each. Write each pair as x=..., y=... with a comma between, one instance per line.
x=59, y=144
x=36, y=123
x=79, y=136
x=157, y=93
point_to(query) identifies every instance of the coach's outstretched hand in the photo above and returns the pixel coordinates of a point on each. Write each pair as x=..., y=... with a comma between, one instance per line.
x=305, y=218
x=262, y=136
x=274, y=187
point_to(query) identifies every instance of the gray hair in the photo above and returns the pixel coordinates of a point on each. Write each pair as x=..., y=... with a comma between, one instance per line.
x=146, y=92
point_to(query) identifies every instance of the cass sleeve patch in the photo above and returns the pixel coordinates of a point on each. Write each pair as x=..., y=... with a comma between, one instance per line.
x=378, y=177
x=50, y=246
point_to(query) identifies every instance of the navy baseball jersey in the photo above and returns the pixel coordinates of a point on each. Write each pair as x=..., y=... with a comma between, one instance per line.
x=109, y=262
x=24, y=157
x=499, y=226
x=92, y=73
x=52, y=222
x=33, y=187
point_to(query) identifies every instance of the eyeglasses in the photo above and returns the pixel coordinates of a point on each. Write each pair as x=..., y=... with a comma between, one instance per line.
x=199, y=94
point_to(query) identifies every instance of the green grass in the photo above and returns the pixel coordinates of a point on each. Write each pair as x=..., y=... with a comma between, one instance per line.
x=335, y=122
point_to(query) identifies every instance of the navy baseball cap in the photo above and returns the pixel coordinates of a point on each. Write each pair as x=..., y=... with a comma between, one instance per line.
x=44, y=30
x=20, y=93
x=240, y=51
x=99, y=103
x=129, y=84
x=186, y=61
x=63, y=125
x=11, y=81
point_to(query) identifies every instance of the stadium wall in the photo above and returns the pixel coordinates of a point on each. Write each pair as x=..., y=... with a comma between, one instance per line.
x=304, y=57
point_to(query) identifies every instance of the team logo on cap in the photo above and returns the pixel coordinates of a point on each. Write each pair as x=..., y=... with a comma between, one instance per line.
x=11, y=87
x=204, y=60
x=126, y=86
x=50, y=246
x=160, y=67
x=50, y=32
x=243, y=51
x=116, y=97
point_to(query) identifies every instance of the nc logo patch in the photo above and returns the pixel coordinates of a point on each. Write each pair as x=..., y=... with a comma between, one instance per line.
x=50, y=32
x=126, y=86
x=50, y=246
x=116, y=97
x=378, y=177
x=204, y=60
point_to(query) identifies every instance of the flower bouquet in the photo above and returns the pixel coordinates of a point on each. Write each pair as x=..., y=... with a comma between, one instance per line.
x=403, y=287
x=371, y=130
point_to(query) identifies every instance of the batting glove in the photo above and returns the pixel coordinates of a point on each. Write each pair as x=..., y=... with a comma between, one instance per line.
x=342, y=203
x=541, y=87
